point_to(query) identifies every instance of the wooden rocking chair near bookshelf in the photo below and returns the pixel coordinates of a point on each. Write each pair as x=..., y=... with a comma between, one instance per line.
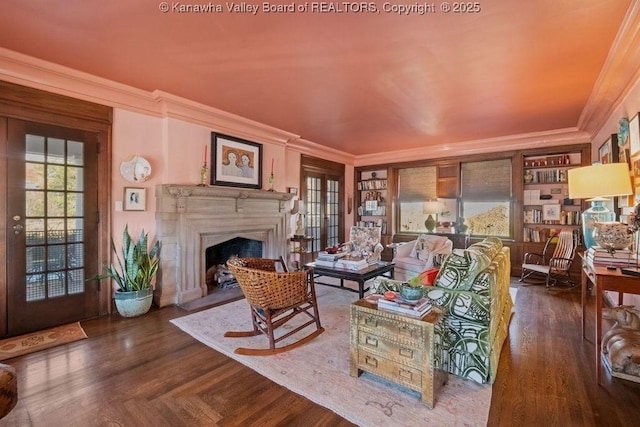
x=556, y=267
x=275, y=297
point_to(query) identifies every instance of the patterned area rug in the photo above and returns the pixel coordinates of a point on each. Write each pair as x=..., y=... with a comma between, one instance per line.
x=36, y=341
x=319, y=370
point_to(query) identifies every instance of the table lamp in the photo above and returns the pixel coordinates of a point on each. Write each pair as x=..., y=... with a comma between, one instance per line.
x=299, y=207
x=596, y=183
x=431, y=208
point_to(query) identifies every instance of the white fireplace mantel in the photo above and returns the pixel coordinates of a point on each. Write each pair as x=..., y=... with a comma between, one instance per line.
x=190, y=218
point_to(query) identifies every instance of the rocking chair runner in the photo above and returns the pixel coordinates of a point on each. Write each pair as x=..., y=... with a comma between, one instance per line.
x=558, y=266
x=275, y=298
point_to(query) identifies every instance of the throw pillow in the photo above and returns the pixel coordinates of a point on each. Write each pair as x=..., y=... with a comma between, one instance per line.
x=423, y=247
x=459, y=270
x=426, y=278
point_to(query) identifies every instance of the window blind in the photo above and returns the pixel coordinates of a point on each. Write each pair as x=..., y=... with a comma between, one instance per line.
x=417, y=184
x=486, y=180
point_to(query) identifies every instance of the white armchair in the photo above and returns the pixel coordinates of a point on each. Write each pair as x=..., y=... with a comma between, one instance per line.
x=416, y=256
x=364, y=241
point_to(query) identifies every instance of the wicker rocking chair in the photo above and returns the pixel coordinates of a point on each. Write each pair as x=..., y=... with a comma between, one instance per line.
x=556, y=267
x=275, y=298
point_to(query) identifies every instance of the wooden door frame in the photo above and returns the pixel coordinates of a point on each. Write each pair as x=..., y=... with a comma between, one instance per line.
x=315, y=165
x=24, y=103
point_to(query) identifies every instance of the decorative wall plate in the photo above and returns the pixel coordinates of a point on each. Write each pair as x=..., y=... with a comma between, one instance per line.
x=137, y=169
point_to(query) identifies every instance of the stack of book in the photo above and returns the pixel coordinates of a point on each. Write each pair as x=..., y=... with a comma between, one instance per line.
x=326, y=259
x=619, y=258
x=350, y=263
x=398, y=305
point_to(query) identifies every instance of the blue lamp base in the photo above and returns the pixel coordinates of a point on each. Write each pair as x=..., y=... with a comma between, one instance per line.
x=597, y=212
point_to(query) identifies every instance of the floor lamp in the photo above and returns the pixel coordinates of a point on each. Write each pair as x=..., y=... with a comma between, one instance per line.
x=597, y=183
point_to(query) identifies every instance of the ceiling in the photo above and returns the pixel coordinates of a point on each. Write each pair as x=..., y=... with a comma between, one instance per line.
x=353, y=80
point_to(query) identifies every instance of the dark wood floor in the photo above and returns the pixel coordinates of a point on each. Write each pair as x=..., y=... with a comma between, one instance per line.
x=146, y=372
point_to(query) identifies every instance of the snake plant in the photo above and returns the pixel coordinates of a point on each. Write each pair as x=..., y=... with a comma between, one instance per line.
x=136, y=264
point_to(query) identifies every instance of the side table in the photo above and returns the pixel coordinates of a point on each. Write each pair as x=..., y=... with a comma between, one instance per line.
x=604, y=280
x=397, y=348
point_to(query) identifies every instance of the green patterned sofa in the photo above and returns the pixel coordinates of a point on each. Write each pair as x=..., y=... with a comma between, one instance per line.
x=472, y=287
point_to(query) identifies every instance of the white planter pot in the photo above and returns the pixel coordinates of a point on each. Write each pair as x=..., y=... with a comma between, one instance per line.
x=132, y=304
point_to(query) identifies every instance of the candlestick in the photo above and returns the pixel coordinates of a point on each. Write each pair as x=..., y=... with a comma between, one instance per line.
x=203, y=175
x=204, y=159
x=271, y=166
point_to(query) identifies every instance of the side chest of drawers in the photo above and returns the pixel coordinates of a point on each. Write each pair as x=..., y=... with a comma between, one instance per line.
x=395, y=347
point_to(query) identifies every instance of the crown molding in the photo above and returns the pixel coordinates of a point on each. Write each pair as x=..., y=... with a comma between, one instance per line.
x=619, y=75
x=32, y=72
x=303, y=146
x=551, y=138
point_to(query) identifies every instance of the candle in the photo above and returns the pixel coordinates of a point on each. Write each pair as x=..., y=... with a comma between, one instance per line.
x=204, y=159
x=271, y=166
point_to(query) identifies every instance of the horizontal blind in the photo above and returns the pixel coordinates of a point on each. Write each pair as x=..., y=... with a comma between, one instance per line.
x=486, y=180
x=417, y=184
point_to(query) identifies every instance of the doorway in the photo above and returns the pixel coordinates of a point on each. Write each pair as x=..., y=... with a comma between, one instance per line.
x=52, y=225
x=322, y=192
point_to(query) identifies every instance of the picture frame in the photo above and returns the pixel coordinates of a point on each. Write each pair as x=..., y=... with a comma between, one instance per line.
x=551, y=212
x=634, y=134
x=608, y=151
x=292, y=190
x=235, y=162
x=135, y=199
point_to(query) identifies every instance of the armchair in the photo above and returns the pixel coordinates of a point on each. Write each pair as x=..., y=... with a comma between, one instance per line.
x=364, y=241
x=416, y=256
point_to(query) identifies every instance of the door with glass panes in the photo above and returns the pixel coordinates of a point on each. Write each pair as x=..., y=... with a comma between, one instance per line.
x=52, y=226
x=323, y=210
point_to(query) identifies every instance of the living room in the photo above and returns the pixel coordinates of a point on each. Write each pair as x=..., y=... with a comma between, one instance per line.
x=173, y=133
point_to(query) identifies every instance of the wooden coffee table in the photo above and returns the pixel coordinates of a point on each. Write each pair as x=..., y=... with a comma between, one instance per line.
x=380, y=268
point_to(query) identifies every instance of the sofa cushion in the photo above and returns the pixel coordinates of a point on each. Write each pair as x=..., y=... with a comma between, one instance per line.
x=410, y=264
x=466, y=305
x=459, y=270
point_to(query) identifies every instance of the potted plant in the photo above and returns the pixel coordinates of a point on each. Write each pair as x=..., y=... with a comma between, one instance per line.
x=136, y=267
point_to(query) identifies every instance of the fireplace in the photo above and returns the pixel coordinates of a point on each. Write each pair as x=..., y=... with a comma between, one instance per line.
x=216, y=273
x=191, y=219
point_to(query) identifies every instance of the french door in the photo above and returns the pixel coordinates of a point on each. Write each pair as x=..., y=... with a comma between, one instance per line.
x=323, y=192
x=52, y=226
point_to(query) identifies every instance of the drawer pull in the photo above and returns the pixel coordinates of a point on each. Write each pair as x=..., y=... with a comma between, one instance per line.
x=372, y=361
x=371, y=341
x=406, y=352
x=406, y=330
x=371, y=321
x=405, y=374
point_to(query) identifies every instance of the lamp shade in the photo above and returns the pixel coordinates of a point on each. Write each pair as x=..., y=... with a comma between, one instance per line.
x=608, y=180
x=431, y=207
x=596, y=182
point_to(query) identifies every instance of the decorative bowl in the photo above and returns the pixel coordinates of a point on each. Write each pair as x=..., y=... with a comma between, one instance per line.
x=410, y=293
x=612, y=235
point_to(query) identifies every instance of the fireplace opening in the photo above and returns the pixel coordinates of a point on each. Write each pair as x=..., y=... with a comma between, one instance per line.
x=217, y=276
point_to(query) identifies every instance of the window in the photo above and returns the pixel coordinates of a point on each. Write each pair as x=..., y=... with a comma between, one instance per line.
x=415, y=186
x=486, y=197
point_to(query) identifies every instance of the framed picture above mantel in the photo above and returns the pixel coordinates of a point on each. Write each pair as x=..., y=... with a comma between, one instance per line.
x=235, y=162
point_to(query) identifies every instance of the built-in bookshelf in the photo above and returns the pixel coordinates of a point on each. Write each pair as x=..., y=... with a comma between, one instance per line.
x=546, y=204
x=372, y=188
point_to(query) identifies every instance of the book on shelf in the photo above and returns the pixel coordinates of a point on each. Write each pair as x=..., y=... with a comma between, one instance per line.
x=415, y=309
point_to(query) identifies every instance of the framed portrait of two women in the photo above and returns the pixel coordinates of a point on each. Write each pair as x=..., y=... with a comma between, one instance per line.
x=235, y=162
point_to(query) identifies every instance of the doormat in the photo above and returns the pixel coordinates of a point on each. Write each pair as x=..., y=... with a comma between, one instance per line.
x=36, y=341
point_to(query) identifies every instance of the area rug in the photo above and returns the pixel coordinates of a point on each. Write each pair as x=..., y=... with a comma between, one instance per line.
x=319, y=370
x=36, y=341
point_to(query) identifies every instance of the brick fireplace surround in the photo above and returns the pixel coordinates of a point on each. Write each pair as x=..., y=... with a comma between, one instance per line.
x=190, y=218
